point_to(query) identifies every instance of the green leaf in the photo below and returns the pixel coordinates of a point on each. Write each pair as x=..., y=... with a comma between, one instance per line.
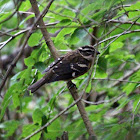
x=53, y=128
x=40, y=54
x=115, y=45
x=7, y=99
x=34, y=40
x=102, y=63
x=76, y=36
x=90, y=8
x=9, y=127
x=88, y=89
x=64, y=32
x=29, y=61
x=25, y=6
x=40, y=66
x=16, y=100
x=67, y=14
x=102, y=67
x=28, y=130
x=26, y=19
x=4, y=15
x=100, y=73
x=16, y=90
x=128, y=88
x=134, y=7
x=37, y=116
x=136, y=99
x=134, y=14
x=36, y=136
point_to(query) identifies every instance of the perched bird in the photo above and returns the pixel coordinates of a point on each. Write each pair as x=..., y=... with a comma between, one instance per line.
x=71, y=65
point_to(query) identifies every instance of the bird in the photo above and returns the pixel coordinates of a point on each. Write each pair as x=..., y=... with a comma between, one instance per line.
x=68, y=67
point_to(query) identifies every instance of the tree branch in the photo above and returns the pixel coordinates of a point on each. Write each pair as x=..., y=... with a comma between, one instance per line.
x=110, y=79
x=73, y=91
x=44, y=30
x=50, y=122
x=22, y=48
x=72, y=88
x=10, y=16
x=118, y=35
x=123, y=22
x=113, y=100
x=127, y=75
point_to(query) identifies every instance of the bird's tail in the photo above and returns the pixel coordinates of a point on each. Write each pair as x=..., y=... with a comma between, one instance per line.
x=37, y=85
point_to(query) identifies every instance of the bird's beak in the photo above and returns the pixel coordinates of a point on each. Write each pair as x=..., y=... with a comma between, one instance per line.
x=97, y=52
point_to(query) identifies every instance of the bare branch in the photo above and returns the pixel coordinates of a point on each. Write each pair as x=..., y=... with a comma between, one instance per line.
x=2, y=44
x=87, y=30
x=105, y=101
x=43, y=30
x=127, y=75
x=73, y=91
x=22, y=48
x=109, y=79
x=135, y=111
x=121, y=33
x=123, y=22
x=72, y=88
x=118, y=35
x=11, y=38
x=12, y=13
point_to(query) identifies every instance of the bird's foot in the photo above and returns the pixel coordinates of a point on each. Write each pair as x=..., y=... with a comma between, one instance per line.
x=71, y=85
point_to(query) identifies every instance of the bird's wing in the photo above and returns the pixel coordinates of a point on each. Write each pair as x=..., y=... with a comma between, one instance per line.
x=66, y=71
x=53, y=64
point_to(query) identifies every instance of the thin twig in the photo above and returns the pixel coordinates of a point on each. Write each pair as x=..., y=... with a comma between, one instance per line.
x=109, y=32
x=49, y=25
x=87, y=30
x=50, y=122
x=120, y=6
x=80, y=106
x=121, y=34
x=107, y=39
x=12, y=37
x=43, y=30
x=22, y=48
x=6, y=19
x=127, y=75
x=105, y=101
x=123, y=22
x=133, y=117
x=109, y=79
x=73, y=89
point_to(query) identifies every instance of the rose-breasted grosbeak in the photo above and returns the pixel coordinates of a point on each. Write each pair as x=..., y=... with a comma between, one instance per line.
x=71, y=65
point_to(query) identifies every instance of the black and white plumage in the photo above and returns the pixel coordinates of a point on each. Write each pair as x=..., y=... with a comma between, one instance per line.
x=71, y=65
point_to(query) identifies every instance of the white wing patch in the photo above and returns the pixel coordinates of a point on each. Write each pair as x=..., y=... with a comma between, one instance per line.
x=73, y=74
x=72, y=67
x=82, y=65
x=53, y=64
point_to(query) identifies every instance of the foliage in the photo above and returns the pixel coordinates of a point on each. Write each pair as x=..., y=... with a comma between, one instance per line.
x=116, y=74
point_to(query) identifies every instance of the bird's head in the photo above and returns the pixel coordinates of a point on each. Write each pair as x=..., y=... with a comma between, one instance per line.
x=88, y=52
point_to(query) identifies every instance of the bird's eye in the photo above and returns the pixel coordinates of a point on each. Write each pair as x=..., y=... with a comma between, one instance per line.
x=89, y=51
